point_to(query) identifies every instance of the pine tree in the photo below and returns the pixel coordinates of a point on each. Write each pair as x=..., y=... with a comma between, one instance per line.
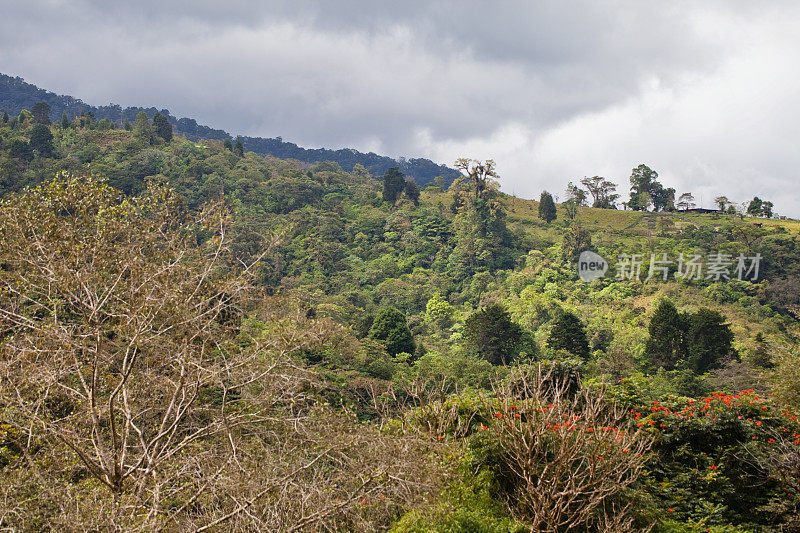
x=64, y=120
x=547, y=207
x=666, y=347
x=41, y=140
x=228, y=144
x=708, y=340
x=238, y=148
x=569, y=334
x=393, y=185
x=163, y=127
x=492, y=334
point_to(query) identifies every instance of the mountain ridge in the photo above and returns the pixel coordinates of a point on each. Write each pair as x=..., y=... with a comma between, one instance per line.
x=16, y=94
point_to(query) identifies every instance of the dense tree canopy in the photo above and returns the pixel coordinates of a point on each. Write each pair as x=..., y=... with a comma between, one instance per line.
x=391, y=328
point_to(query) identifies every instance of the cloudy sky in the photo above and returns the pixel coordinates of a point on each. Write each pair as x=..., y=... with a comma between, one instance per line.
x=706, y=93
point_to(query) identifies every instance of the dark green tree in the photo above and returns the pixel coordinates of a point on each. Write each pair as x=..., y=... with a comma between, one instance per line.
x=5, y=117
x=569, y=334
x=42, y=140
x=393, y=185
x=709, y=340
x=20, y=150
x=666, y=347
x=754, y=208
x=128, y=126
x=64, y=121
x=646, y=190
x=766, y=209
x=492, y=334
x=41, y=113
x=412, y=191
x=391, y=329
x=238, y=148
x=547, y=207
x=227, y=144
x=162, y=126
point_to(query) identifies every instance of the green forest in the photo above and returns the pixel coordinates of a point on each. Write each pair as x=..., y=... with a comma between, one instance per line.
x=195, y=337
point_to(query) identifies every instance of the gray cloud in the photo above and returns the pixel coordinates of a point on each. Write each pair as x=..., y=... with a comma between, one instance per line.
x=704, y=92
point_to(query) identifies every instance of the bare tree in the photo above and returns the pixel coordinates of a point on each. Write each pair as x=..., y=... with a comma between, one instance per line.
x=133, y=355
x=566, y=453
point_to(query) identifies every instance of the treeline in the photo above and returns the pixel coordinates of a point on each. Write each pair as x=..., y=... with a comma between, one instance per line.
x=646, y=194
x=16, y=95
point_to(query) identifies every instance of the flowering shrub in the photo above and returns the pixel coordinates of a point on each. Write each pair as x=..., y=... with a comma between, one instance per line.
x=718, y=459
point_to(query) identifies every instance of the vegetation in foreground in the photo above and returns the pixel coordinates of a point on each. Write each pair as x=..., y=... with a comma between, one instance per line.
x=208, y=339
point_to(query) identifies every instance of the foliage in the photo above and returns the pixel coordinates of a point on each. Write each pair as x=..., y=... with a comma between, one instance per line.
x=547, y=207
x=569, y=334
x=390, y=327
x=492, y=334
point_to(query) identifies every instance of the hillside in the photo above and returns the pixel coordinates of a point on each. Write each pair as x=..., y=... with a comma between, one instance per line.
x=16, y=95
x=194, y=338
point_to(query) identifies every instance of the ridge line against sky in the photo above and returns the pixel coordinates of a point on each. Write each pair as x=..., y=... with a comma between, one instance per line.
x=703, y=93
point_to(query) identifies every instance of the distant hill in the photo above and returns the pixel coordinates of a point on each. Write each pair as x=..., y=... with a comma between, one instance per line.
x=16, y=94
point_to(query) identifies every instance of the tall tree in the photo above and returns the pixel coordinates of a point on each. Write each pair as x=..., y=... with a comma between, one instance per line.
x=646, y=190
x=603, y=192
x=665, y=347
x=766, y=209
x=393, y=185
x=481, y=175
x=162, y=126
x=686, y=201
x=5, y=117
x=41, y=113
x=569, y=334
x=412, y=190
x=709, y=340
x=64, y=121
x=547, y=207
x=722, y=203
x=42, y=140
x=238, y=147
x=492, y=334
x=754, y=207
x=142, y=129
x=391, y=329
x=576, y=193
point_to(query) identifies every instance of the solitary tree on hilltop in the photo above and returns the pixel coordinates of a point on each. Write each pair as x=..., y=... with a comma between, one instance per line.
x=547, y=207
x=754, y=207
x=686, y=201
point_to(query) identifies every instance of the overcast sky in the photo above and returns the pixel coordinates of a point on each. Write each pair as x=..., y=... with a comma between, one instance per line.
x=706, y=93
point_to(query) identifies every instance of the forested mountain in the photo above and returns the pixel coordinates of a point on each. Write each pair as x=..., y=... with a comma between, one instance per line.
x=194, y=336
x=16, y=95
